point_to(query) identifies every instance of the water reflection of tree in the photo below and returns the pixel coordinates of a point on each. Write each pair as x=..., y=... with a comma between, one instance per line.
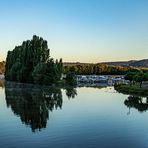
x=71, y=92
x=33, y=104
x=137, y=103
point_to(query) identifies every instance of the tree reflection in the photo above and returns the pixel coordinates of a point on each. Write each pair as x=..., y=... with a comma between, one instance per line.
x=139, y=103
x=33, y=105
x=71, y=92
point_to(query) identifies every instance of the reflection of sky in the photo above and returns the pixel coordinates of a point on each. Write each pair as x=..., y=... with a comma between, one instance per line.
x=85, y=31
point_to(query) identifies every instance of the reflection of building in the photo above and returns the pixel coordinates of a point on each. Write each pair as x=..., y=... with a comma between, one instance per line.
x=92, y=79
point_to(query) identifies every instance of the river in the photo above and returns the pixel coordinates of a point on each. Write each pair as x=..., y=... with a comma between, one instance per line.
x=82, y=117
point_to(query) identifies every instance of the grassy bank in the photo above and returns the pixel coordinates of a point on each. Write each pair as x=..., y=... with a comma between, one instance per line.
x=131, y=90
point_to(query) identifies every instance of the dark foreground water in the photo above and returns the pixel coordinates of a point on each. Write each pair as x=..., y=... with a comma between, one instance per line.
x=71, y=118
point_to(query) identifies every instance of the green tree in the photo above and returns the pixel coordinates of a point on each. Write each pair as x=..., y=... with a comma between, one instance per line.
x=130, y=76
x=138, y=77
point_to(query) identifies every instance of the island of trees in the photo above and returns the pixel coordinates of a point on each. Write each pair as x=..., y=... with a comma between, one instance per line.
x=31, y=63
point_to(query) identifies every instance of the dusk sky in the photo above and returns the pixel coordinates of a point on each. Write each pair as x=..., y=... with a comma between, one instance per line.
x=78, y=30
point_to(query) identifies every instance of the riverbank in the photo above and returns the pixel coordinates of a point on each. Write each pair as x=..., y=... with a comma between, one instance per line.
x=17, y=85
x=131, y=90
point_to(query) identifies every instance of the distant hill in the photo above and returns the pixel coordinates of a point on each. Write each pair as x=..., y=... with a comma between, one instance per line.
x=141, y=63
x=134, y=63
x=119, y=63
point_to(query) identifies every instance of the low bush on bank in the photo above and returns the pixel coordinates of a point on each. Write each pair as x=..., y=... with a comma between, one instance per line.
x=132, y=90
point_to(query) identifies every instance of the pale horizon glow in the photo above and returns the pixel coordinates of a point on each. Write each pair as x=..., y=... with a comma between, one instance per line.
x=78, y=30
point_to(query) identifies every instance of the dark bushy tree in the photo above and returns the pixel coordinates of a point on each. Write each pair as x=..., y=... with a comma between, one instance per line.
x=30, y=62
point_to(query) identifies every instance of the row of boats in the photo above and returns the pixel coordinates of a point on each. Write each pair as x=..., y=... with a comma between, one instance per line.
x=110, y=80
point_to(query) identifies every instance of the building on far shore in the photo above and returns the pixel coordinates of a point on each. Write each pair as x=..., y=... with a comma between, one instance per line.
x=109, y=80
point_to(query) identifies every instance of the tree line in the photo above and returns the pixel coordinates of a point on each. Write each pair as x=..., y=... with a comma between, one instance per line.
x=97, y=69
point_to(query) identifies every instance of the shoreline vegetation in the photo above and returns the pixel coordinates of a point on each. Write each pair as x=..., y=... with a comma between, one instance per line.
x=138, y=84
x=131, y=90
x=101, y=69
x=92, y=69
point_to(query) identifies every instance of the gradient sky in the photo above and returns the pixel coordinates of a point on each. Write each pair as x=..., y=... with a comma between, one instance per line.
x=78, y=30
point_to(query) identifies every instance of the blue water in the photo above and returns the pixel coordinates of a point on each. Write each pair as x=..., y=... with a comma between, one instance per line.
x=71, y=118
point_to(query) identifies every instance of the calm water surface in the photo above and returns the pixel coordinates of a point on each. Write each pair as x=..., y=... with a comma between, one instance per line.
x=71, y=118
